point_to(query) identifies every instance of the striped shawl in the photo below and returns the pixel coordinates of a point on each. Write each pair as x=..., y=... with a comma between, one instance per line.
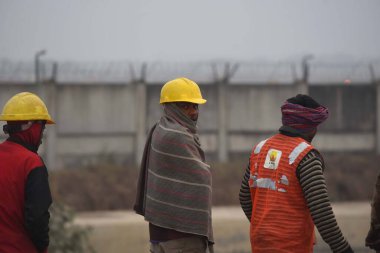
x=177, y=180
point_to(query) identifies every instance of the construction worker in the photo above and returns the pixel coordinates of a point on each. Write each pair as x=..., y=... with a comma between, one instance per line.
x=174, y=187
x=373, y=238
x=24, y=189
x=283, y=192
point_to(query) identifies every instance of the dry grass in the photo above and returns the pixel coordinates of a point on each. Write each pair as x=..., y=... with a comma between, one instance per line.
x=105, y=187
x=351, y=176
x=109, y=187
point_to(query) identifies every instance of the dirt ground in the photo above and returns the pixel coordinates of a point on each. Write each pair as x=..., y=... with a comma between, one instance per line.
x=350, y=180
x=124, y=231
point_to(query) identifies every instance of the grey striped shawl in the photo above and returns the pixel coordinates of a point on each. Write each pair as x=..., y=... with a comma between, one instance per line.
x=178, y=187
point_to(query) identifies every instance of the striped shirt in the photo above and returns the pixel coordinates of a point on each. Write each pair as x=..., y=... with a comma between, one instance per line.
x=313, y=184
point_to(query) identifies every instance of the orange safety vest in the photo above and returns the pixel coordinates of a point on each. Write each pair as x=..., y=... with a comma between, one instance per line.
x=281, y=221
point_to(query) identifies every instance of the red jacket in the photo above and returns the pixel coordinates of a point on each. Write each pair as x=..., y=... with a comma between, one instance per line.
x=24, y=200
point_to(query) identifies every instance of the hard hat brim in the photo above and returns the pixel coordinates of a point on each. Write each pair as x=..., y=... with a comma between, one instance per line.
x=16, y=117
x=199, y=101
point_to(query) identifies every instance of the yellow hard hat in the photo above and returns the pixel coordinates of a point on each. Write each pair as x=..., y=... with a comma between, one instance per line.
x=25, y=106
x=181, y=90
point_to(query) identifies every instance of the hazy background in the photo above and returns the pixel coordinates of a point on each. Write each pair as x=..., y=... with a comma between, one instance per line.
x=177, y=30
x=103, y=106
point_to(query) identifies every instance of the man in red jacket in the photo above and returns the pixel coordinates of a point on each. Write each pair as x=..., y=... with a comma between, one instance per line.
x=24, y=188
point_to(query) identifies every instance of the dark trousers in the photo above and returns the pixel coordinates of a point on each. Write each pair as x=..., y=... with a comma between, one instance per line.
x=182, y=245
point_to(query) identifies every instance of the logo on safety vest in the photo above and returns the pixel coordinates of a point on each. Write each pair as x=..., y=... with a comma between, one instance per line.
x=272, y=159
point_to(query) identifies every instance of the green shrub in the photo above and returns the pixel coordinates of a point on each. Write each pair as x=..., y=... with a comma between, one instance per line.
x=65, y=237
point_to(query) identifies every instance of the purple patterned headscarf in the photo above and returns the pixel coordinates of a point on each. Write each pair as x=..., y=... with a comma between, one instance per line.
x=303, y=118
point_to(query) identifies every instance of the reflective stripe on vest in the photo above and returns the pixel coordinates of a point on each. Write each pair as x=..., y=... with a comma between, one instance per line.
x=259, y=146
x=297, y=151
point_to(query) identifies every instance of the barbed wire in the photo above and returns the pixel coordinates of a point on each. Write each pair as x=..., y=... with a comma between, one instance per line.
x=203, y=72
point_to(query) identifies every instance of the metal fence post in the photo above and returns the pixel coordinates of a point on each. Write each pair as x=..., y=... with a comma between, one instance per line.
x=222, y=123
x=377, y=117
x=302, y=85
x=141, y=114
x=51, y=138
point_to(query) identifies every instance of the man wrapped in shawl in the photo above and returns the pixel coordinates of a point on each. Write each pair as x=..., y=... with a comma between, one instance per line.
x=268, y=180
x=174, y=188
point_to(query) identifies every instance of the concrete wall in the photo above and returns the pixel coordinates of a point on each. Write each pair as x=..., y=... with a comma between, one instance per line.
x=108, y=122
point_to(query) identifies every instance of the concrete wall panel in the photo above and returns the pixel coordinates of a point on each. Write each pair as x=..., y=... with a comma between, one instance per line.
x=96, y=109
x=256, y=108
x=98, y=122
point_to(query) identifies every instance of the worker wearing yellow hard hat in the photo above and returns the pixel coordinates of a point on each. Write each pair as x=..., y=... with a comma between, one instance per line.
x=181, y=90
x=25, y=106
x=178, y=219
x=24, y=187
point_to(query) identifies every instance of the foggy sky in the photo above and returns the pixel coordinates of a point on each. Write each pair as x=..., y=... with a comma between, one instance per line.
x=178, y=30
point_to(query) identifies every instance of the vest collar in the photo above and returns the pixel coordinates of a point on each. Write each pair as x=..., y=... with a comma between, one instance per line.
x=292, y=132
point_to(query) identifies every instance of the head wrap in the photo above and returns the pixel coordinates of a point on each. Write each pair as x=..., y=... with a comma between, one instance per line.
x=303, y=113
